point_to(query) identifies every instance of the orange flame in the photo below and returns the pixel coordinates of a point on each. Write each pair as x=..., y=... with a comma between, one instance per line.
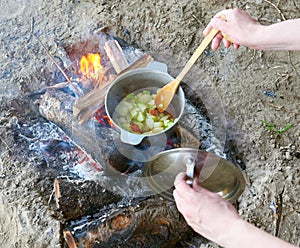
x=90, y=66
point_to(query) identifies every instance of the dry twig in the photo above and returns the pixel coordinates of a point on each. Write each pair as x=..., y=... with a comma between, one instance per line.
x=277, y=8
x=292, y=64
x=51, y=196
x=52, y=58
x=278, y=215
x=5, y=143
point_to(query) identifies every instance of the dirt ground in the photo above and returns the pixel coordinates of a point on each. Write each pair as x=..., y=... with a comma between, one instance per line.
x=170, y=31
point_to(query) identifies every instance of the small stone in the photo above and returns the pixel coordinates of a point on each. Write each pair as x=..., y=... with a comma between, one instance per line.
x=288, y=156
x=297, y=154
x=6, y=184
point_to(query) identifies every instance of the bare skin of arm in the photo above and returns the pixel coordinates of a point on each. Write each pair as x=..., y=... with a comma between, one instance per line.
x=216, y=219
x=243, y=30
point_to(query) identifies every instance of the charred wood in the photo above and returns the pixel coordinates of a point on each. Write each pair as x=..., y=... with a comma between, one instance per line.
x=73, y=198
x=151, y=223
x=56, y=106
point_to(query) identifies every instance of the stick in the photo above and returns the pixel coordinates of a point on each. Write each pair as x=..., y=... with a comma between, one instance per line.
x=69, y=239
x=50, y=197
x=4, y=142
x=53, y=59
x=57, y=192
x=116, y=55
x=279, y=212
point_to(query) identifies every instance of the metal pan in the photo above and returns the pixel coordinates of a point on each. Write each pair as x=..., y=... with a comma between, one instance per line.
x=215, y=173
x=152, y=77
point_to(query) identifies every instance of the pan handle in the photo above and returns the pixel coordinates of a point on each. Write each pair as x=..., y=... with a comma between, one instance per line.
x=157, y=66
x=131, y=138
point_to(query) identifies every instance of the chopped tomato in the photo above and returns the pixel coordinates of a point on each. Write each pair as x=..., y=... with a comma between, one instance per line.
x=154, y=112
x=135, y=128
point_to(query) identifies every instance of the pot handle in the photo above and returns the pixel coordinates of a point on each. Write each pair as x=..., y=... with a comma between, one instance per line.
x=131, y=138
x=157, y=66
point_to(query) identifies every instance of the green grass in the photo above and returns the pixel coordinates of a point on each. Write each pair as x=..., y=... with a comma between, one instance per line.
x=272, y=127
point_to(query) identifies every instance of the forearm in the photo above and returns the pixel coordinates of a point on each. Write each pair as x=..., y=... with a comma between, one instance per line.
x=244, y=234
x=242, y=29
x=280, y=36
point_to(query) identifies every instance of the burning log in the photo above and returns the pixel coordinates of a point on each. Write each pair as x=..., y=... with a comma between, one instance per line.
x=85, y=107
x=151, y=223
x=73, y=198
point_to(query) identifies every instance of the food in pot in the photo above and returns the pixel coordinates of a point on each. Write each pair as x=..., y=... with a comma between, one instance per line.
x=137, y=113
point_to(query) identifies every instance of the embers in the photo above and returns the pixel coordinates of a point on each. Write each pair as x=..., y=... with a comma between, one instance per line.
x=102, y=117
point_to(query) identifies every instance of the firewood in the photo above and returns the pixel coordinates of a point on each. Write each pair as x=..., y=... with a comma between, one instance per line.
x=116, y=55
x=86, y=106
x=155, y=222
x=52, y=108
x=73, y=198
x=140, y=63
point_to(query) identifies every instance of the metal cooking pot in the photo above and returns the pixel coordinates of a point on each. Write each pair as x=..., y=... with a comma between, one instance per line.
x=152, y=77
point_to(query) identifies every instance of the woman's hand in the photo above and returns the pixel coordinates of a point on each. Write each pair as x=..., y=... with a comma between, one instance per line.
x=239, y=26
x=206, y=212
x=216, y=219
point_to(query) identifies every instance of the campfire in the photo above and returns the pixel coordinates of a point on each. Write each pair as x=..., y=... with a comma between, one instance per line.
x=118, y=207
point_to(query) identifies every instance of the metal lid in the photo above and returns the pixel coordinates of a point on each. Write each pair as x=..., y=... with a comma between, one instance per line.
x=215, y=173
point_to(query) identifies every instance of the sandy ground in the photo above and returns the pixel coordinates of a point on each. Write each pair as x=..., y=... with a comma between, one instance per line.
x=170, y=31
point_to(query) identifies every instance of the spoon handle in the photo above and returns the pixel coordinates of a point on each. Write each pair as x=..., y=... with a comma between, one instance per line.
x=197, y=53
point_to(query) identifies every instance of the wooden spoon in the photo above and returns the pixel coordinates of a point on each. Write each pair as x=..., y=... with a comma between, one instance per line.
x=166, y=93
